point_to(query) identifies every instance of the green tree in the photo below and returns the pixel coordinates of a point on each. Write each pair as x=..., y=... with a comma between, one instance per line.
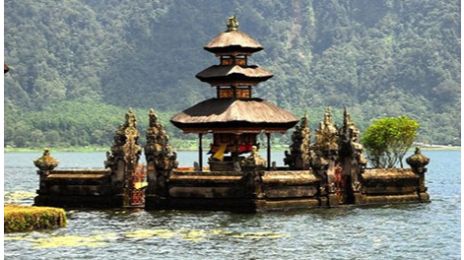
x=388, y=139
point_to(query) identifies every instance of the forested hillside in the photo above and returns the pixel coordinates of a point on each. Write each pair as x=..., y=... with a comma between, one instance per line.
x=77, y=65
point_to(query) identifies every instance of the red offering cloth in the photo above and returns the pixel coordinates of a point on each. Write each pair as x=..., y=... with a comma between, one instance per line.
x=245, y=148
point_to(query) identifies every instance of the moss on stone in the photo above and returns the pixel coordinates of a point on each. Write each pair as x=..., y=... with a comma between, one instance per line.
x=27, y=218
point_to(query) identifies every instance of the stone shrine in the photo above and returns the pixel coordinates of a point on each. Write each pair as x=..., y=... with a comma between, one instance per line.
x=329, y=171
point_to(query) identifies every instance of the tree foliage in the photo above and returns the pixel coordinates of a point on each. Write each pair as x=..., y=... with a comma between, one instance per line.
x=377, y=58
x=72, y=123
x=388, y=139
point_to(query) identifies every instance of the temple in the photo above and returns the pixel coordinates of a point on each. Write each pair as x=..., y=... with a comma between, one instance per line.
x=325, y=170
x=234, y=117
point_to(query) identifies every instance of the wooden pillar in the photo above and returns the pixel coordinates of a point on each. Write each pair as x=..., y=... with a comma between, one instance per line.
x=268, y=151
x=200, y=151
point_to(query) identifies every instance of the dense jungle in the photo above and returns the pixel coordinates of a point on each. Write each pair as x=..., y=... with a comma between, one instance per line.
x=76, y=66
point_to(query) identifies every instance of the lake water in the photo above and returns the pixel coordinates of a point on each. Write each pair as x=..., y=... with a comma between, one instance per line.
x=414, y=231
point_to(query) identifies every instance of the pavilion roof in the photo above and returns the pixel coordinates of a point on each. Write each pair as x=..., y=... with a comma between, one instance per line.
x=233, y=41
x=235, y=114
x=233, y=71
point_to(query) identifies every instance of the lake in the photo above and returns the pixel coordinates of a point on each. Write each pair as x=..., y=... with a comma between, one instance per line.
x=413, y=231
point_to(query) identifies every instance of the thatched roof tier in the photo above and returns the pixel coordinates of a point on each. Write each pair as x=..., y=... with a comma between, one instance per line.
x=233, y=73
x=234, y=115
x=233, y=42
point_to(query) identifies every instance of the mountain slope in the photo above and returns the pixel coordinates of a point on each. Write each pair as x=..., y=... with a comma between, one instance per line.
x=377, y=58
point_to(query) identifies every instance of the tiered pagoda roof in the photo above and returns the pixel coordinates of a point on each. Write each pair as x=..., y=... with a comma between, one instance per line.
x=222, y=115
x=234, y=110
x=241, y=75
x=233, y=41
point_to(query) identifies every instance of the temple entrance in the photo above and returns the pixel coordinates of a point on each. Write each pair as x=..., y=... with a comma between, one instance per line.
x=345, y=192
x=343, y=187
x=138, y=183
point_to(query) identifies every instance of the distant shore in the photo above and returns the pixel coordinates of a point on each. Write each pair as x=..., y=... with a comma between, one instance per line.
x=275, y=147
x=57, y=149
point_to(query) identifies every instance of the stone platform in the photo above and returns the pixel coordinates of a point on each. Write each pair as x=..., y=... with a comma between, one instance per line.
x=282, y=189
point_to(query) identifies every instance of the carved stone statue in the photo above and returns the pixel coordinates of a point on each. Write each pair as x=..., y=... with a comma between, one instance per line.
x=161, y=159
x=124, y=156
x=232, y=24
x=299, y=157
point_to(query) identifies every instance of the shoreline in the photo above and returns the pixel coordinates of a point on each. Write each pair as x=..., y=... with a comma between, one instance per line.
x=89, y=149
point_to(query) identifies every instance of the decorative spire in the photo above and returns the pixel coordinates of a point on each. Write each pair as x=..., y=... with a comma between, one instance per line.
x=125, y=143
x=326, y=135
x=346, y=117
x=348, y=124
x=418, y=161
x=232, y=24
x=328, y=123
x=299, y=157
x=158, y=151
x=46, y=162
x=152, y=118
x=327, y=116
x=349, y=140
x=304, y=121
x=156, y=134
x=131, y=121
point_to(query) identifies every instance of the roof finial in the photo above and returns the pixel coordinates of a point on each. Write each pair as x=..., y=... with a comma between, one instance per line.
x=232, y=24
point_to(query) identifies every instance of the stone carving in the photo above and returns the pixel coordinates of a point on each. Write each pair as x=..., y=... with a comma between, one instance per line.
x=254, y=160
x=46, y=162
x=124, y=156
x=349, y=142
x=325, y=148
x=319, y=163
x=125, y=146
x=232, y=24
x=350, y=158
x=253, y=167
x=161, y=159
x=254, y=182
x=356, y=186
x=326, y=144
x=418, y=161
x=332, y=187
x=299, y=157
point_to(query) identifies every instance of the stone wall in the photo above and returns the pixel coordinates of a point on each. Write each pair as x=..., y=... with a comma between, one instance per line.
x=97, y=188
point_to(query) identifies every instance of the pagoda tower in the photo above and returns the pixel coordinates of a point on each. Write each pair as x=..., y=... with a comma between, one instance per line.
x=234, y=116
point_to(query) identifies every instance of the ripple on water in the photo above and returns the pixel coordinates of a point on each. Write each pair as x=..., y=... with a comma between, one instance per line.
x=411, y=231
